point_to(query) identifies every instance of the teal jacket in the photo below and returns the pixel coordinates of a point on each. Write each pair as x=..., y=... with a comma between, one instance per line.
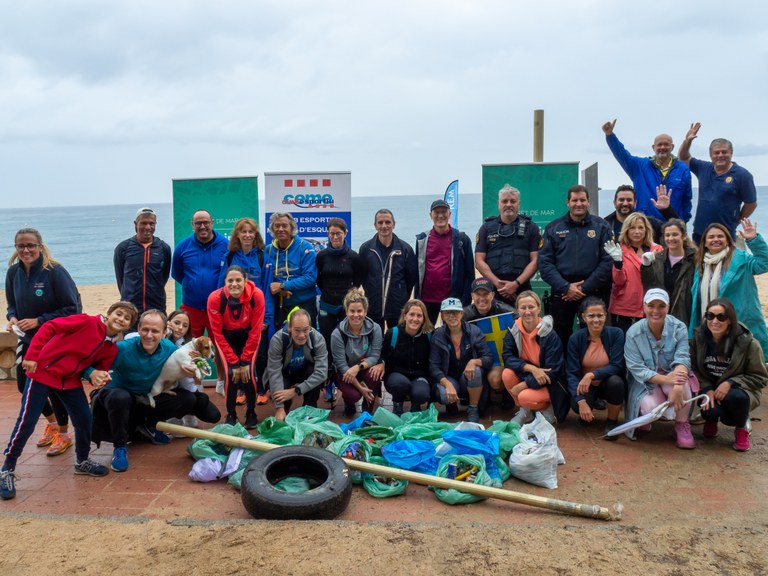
x=737, y=283
x=135, y=370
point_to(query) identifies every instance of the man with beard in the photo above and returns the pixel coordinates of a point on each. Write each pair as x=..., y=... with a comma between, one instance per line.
x=625, y=202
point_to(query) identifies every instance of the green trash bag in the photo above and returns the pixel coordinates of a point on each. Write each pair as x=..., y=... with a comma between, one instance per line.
x=384, y=417
x=317, y=434
x=236, y=478
x=306, y=414
x=453, y=496
x=203, y=448
x=382, y=486
x=292, y=484
x=423, y=417
x=375, y=436
x=354, y=448
x=432, y=431
x=509, y=436
x=275, y=432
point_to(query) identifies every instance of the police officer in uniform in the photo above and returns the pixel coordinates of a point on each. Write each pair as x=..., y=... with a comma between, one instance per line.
x=507, y=247
x=572, y=260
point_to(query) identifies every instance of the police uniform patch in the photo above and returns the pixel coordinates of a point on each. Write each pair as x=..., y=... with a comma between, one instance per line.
x=591, y=233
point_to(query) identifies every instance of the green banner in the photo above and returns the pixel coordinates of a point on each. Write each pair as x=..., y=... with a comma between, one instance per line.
x=543, y=191
x=227, y=199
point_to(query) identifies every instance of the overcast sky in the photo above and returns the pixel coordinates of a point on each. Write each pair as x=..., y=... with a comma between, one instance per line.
x=106, y=102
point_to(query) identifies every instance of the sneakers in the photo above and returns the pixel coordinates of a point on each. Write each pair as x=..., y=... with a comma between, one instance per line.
x=262, y=399
x=683, y=436
x=7, y=484
x=549, y=415
x=710, y=429
x=523, y=416
x=397, y=408
x=51, y=430
x=91, y=468
x=190, y=421
x=220, y=387
x=153, y=435
x=473, y=414
x=231, y=419
x=60, y=444
x=741, y=442
x=119, y=459
x=240, y=400
x=251, y=421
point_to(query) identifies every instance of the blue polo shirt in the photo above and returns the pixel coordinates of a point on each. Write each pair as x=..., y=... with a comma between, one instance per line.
x=721, y=197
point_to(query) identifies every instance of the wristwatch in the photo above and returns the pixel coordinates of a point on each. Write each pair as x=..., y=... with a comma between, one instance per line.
x=297, y=390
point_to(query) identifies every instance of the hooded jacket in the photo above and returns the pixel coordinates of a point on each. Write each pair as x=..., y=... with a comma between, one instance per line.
x=249, y=318
x=348, y=349
x=279, y=357
x=295, y=267
x=473, y=345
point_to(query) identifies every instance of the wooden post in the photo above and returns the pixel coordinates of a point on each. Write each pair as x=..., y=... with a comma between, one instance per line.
x=538, y=135
x=572, y=508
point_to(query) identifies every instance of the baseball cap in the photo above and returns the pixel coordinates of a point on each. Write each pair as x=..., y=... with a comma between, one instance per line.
x=482, y=284
x=451, y=304
x=144, y=212
x=656, y=294
x=439, y=204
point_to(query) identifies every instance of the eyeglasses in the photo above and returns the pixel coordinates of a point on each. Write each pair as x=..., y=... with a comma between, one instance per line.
x=204, y=224
x=719, y=317
x=335, y=234
x=30, y=247
x=595, y=316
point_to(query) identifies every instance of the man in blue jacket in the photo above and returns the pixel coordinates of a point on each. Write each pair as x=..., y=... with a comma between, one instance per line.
x=647, y=173
x=572, y=260
x=196, y=265
x=291, y=262
x=121, y=407
x=143, y=265
x=445, y=263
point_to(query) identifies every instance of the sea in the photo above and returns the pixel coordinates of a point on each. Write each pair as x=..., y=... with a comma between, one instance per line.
x=83, y=238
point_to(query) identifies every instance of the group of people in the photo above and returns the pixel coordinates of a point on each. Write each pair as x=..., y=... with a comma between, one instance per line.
x=288, y=322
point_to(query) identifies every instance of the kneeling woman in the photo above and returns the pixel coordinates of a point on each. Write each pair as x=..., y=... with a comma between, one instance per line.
x=297, y=363
x=658, y=362
x=596, y=365
x=356, y=348
x=459, y=361
x=731, y=368
x=236, y=315
x=534, y=364
x=405, y=358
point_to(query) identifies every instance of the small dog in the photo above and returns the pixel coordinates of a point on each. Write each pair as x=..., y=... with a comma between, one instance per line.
x=173, y=369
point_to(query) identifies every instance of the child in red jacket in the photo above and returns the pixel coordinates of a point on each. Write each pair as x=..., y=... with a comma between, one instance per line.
x=55, y=361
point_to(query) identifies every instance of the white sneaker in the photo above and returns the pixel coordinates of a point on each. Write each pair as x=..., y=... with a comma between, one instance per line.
x=523, y=416
x=220, y=387
x=190, y=421
x=177, y=422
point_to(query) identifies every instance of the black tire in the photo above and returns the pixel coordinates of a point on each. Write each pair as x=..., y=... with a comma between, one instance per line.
x=328, y=476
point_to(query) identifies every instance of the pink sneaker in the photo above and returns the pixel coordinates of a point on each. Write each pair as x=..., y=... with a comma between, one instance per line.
x=684, y=437
x=741, y=443
x=710, y=429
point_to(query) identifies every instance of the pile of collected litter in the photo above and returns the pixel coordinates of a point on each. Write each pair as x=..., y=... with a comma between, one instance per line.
x=415, y=441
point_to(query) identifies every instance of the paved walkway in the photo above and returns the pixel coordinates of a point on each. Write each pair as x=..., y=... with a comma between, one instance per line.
x=656, y=482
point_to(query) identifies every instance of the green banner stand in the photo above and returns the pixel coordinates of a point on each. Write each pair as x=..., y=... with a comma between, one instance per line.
x=543, y=191
x=227, y=199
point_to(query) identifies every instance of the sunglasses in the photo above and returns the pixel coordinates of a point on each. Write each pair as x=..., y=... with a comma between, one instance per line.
x=719, y=317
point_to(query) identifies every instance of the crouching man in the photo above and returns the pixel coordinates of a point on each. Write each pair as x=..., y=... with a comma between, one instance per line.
x=297, y=364
x=121, y=407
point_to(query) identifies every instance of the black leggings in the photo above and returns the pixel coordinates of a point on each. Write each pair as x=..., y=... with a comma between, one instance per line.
x=733, y=410
x=401, y=387
x=611, y=390
x=53, y=405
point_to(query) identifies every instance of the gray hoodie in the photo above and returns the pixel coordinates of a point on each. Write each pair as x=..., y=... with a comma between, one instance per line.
x=366, y=346
x=280, y=354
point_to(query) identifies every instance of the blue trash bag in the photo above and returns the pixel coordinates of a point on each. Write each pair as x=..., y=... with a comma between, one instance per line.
x=356, y=423
x=415, y=455
x=480, y=442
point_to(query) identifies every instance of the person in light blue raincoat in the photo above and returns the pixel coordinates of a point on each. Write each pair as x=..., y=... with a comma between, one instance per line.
x=725, y=271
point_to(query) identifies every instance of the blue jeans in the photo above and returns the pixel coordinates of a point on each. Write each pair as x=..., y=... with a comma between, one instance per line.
x=33, y=400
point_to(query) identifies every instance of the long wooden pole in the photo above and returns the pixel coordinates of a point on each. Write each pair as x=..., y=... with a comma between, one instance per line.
x=571, y=508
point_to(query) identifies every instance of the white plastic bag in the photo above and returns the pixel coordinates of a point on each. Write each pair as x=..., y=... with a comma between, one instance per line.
x=535, y=458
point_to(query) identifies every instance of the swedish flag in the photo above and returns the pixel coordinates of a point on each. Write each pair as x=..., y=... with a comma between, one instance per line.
x=495, y=328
